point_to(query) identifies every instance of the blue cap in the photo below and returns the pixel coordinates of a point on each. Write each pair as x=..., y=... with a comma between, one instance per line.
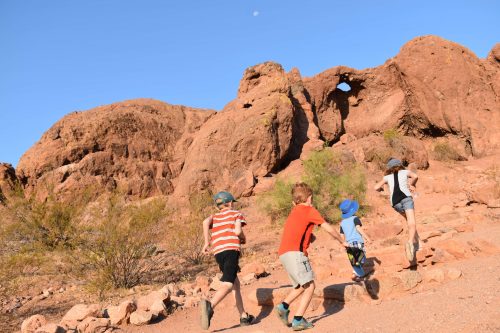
x=223, y=197
x=348, y=208
x=393, y=162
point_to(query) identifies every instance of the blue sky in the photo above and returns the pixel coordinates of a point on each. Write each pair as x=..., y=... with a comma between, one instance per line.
x=59, y=56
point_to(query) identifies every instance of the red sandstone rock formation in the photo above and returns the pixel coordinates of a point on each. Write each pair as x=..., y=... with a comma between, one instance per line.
x=257, y=133
x=137, y=146
x=432, y=88
x=7, y=180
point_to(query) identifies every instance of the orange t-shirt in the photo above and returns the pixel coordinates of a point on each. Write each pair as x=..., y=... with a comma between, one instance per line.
x=298, y=229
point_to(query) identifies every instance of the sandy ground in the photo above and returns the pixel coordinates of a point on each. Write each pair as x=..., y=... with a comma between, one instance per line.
x=468, y=304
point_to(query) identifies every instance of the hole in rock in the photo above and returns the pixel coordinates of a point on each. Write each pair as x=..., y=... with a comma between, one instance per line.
x=344, y=86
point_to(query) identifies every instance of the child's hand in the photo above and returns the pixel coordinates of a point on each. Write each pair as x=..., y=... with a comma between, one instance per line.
x=312, y=239
x=206, y=248
x=243, y=239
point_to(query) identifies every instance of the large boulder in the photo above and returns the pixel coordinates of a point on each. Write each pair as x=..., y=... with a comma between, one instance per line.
x=137, y=146
x=257, y=133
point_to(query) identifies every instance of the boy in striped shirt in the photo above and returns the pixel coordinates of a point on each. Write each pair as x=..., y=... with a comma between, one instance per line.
x=223, y=236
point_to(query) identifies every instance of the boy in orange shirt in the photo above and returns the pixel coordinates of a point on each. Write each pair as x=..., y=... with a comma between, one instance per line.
x=293, y=254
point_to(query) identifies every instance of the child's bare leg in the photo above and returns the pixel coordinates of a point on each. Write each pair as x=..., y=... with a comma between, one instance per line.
x=237, y=296
x=293, y=295
x=225, y=289
x=412, y=227
x=306, y=298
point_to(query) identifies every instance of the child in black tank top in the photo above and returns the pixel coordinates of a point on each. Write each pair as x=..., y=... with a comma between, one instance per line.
x=401, y=198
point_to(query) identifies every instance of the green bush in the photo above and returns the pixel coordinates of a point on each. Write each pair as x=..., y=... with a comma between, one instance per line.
x=444, y=152
x=277, y=203
x=390, y=135
x=332, y=180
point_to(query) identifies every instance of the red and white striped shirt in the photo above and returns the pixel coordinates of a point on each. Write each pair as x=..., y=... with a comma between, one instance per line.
x=222, y=232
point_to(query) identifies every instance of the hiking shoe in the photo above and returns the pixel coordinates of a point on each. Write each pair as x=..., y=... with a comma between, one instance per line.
x=206, y=313
x=245, y=321
x=282, y=313
x=300, y=325
x=410, y=251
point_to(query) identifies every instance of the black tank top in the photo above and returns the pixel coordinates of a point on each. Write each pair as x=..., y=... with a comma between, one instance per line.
x=397, y=194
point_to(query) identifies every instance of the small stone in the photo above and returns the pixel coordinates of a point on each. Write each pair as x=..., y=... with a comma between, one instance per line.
x=410, y=279
x=453, y=273
x=30, y=324
x=140, y=317
x=93, y=325
x=158, y=309
x=81, y=311
x=436, y=275
x=119, y=314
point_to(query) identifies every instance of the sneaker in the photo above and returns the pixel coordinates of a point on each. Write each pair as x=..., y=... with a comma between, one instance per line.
x=300, y=325
x=206, y=313
x=282, y=313
x=245, y=321
x=410, y=251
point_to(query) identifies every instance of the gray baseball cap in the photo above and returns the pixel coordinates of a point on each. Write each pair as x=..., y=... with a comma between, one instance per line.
x=393, y=162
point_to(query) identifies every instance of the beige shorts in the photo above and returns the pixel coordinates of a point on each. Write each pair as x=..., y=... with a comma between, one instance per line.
x=298, y=268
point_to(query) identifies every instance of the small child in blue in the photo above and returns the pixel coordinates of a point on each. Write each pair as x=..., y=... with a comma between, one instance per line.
x=350, y=229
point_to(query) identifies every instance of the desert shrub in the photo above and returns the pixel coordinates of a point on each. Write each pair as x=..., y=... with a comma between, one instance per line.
x=380, y=156
x=391, y=135
x=117, y=250
x=31, y=234
x=332, y=180
x=277, y=203
x=185, y=235
x=444, y=152
x=48, y=223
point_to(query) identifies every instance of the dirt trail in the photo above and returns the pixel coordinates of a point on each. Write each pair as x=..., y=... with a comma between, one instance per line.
x=470, y=303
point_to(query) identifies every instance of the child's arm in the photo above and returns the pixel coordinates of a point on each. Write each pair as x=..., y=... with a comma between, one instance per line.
x=413, y=178
x=344, y=243
x=206, y=234
x=238, y=230
x=380, y=185
x=328, y=228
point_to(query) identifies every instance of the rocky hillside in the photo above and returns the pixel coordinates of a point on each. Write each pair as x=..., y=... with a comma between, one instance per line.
x=432, y=88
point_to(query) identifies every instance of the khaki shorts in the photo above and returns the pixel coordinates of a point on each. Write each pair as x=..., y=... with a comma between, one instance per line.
x=298, y=268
